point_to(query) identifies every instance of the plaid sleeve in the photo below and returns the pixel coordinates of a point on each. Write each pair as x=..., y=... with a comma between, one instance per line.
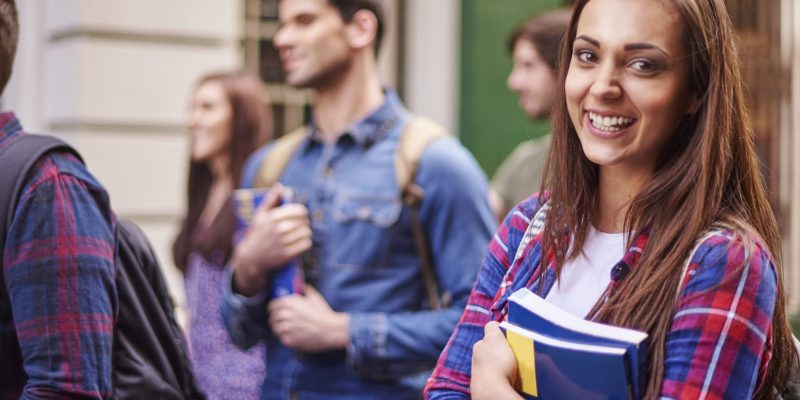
x=451, y=378
x=59, y=272
x=720, y=341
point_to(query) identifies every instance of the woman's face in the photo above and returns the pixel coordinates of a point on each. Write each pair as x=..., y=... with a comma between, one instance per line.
x=209, y=122
x=627, y=85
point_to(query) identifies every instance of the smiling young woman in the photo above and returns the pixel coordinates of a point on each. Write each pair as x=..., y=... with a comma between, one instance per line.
x=651, y=143
x=681, y=165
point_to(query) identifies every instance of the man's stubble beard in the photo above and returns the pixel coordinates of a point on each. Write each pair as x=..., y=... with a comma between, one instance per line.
x=327, y=77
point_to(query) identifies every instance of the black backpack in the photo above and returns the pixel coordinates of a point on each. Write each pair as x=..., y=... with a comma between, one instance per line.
x=150, y=357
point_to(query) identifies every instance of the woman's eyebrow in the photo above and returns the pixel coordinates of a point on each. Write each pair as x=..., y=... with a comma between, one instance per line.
x=628, y=47
x=592, y=41
x=643, y=46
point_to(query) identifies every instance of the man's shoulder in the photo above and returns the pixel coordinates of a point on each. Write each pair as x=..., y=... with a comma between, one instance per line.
x=440, y=144
x=57, y=163
x=447, y=155
x=253, y=164
x=444, y=162
x=62, y=168
x=533, y=147
x=259, y=154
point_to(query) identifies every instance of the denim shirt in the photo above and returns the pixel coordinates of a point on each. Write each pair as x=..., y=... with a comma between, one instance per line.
x=363, y=260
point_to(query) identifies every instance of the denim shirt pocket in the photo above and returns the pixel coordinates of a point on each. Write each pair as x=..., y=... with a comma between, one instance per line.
x=364, y=226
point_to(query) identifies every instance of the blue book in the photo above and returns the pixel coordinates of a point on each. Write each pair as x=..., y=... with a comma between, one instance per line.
x=552, y=368
x=528, y=311
x=285, y=280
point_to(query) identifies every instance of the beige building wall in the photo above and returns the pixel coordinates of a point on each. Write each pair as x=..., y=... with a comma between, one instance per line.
x=113, y=77
x=432, y=59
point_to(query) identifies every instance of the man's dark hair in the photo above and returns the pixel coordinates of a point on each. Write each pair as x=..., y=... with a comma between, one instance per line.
x=9, y=32
x=349, y=8
x=545, y=32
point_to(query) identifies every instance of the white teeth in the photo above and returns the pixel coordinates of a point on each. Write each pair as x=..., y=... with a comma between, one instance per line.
x=609, y=124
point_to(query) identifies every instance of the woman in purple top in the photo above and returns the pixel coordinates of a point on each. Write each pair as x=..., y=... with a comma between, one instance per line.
x=229, y=118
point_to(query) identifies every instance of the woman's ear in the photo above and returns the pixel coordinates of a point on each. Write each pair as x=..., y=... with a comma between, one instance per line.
x=362, y=29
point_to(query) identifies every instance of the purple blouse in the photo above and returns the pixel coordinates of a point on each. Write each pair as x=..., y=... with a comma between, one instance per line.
x=222, y=369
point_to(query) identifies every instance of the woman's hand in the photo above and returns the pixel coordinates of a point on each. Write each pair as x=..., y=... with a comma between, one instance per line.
x=494, y=367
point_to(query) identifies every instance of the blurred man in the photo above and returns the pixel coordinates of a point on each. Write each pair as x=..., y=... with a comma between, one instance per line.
x=366, y=328
x=534, y=47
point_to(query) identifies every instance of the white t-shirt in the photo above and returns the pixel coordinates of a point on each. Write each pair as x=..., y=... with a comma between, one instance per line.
x=585, y=278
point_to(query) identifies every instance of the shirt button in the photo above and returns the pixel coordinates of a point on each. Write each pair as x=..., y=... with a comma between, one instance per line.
x=619, y=271
x=318, y=215
x=363, y=212
x=328, y=171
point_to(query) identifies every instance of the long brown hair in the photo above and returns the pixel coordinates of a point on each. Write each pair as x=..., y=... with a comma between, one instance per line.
x=251, y=127
x=707, y=174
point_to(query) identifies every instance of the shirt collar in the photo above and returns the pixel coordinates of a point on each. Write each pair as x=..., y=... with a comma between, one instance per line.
x=533, y=237
x=374, y=127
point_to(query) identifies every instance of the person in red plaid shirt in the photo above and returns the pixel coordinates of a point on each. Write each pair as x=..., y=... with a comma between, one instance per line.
x=655, y=216
x=57, y=292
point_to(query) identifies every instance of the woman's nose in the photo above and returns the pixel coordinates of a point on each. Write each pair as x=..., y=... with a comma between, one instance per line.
x=606, y=85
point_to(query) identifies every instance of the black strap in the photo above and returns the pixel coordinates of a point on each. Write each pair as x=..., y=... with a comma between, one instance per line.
x=16, y=160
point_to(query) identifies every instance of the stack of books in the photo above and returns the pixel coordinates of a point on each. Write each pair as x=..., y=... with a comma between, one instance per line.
x=561, y=356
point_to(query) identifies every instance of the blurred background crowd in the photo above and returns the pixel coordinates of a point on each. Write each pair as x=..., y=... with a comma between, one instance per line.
x=115, y=77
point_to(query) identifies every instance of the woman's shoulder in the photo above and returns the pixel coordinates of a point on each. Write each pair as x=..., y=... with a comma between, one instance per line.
x=729, y=238
x=527, y=209
x=726, y=250
x=529, y=213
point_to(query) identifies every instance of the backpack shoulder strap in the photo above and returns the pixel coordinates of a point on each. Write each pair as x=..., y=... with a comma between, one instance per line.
x=278, y=157
x=418, y=134
x=16, y=160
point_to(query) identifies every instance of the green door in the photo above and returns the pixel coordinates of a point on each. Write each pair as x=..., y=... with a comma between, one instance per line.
x=491, y=123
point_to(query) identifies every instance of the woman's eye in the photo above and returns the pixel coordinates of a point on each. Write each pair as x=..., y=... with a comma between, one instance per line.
x=644, y=66
x=586, y=56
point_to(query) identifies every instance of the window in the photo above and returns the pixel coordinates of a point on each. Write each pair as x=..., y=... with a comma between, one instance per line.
x=289, y=105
